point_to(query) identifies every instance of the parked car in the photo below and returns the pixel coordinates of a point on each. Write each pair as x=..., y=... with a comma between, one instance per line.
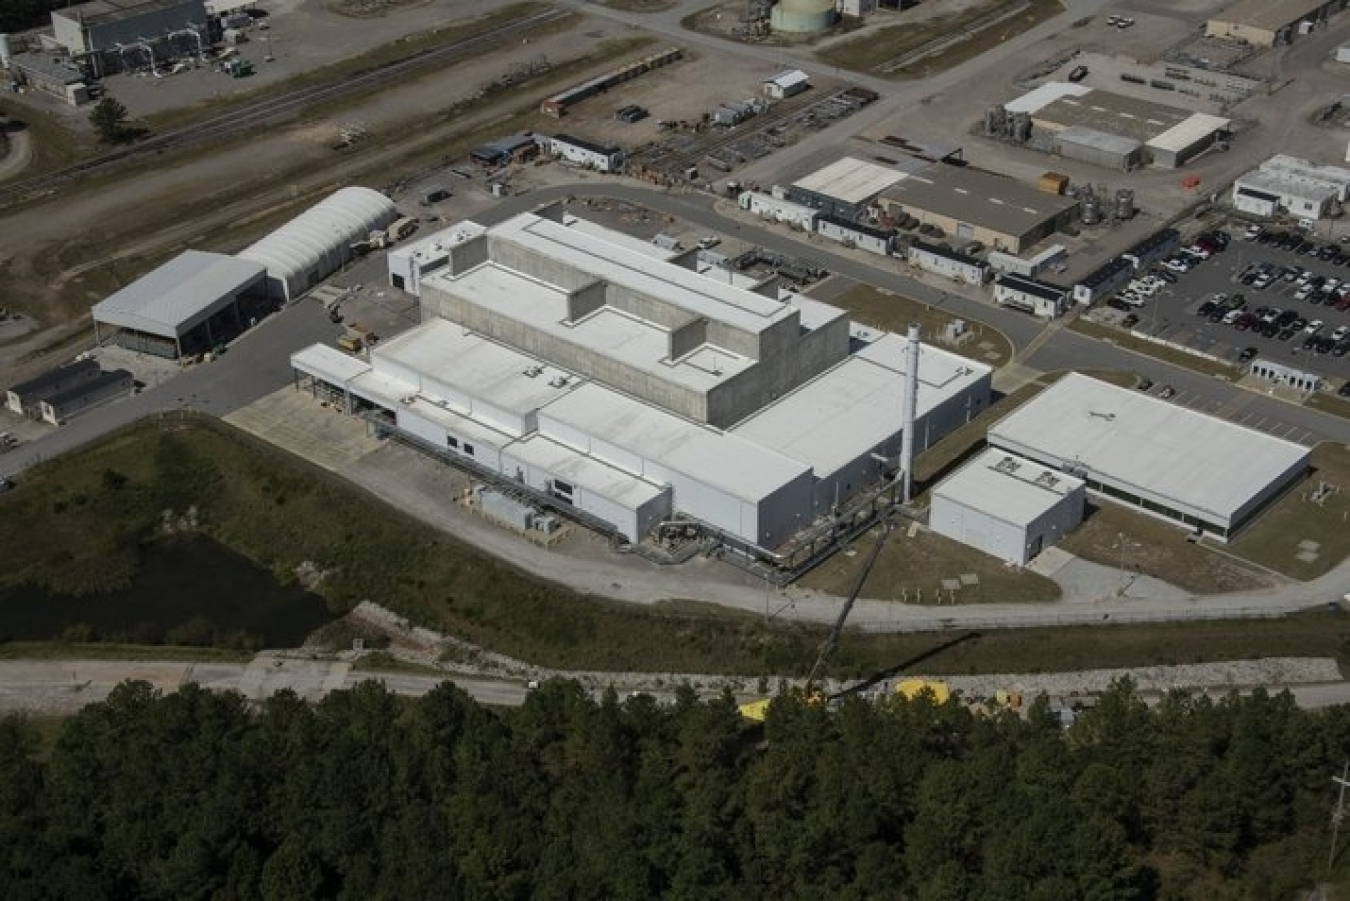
x=1167, y=391
x=1247, y=354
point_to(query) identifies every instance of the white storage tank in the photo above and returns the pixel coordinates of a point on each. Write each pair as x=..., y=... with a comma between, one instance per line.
x=802, y=16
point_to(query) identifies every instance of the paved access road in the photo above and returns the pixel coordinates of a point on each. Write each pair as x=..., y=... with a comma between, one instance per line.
x=63, y=686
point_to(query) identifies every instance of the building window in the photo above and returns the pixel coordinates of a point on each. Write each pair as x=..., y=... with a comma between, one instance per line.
x=452, y=441
x=468, y=448
x=562, y=487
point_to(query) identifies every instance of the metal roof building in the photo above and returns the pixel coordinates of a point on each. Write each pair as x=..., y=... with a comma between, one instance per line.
x=1006, y=506
x=180, y=305
x=316, y=243
x=972, y=205
x=846, y=186
x=1296, y=186
x=1264, y=23
x=107, y=24
x=1161, y=459
x=1186, y=139
x=600, y=378
x=1107, y=129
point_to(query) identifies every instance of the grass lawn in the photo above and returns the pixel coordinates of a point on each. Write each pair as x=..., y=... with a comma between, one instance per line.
x=1114, y=536
x=1297, y=522
x=911, y=569
x=894, y=313
x=874, y=50
x=77, y=523
x=1124, y=339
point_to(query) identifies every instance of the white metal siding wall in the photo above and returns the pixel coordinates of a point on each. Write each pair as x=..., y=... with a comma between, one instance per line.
x=415, y=425
x=395, y=369
x=977, y=529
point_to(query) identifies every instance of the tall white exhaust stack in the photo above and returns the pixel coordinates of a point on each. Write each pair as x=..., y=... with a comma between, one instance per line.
x=910, y=411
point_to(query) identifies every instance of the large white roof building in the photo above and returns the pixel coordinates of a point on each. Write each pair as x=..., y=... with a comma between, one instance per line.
x=1205, y=472
x=615, y=382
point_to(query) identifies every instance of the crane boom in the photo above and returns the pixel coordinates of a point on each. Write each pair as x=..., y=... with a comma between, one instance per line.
x=833, y=638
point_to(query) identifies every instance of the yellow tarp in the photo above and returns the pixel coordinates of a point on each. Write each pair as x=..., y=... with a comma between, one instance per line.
x=912, y=688
x=756, y=710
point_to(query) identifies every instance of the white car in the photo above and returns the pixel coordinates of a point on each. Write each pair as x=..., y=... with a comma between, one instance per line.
x=1342, y=332
x=1313, y=327
x=1302, y=293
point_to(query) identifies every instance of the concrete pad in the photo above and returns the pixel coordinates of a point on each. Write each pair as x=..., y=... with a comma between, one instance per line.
x=1309, y=545
x=299, y=422
x=1049, y=561
x=951, y=584
x=1306, y=556
x=970, y=579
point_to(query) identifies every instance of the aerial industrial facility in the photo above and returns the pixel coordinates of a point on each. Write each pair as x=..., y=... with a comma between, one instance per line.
x=603, y=376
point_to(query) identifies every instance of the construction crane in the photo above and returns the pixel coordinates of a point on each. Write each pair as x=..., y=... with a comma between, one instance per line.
x=831, y=640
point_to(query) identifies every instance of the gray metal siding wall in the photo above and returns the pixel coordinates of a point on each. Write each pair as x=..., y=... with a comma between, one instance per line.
x=151, y=24
x=783, y=513
x=789, y=360
x=1052, y=525
x=524, y=337
x=1097, y=156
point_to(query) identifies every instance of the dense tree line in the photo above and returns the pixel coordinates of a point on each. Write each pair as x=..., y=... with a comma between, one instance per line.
x=194, y=795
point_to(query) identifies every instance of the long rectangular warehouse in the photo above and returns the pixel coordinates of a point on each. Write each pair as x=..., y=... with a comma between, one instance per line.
x=1165, y=460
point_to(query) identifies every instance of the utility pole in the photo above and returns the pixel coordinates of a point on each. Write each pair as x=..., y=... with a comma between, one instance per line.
x=1343, y=780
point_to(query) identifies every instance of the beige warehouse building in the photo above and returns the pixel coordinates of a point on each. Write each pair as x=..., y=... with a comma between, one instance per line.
x=972, y=205
x=1265, y=23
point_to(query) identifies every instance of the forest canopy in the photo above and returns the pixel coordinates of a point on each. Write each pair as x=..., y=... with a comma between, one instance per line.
x=197, y=795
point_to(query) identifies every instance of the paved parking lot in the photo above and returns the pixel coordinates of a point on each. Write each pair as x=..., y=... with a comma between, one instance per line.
x=1173, y=314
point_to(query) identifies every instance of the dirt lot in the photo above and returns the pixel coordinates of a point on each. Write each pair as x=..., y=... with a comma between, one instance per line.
x=153, y=211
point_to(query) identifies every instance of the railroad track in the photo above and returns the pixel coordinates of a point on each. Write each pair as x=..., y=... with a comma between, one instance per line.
x=269, y=110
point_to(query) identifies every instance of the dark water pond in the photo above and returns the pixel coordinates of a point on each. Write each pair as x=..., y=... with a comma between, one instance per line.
x=189, y=591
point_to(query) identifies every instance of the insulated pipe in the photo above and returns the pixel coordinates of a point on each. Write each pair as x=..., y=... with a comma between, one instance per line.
x=909, y=412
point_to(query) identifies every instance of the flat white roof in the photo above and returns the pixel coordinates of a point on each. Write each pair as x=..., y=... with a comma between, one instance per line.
x=1009, y=488
x=622, y=239
x=179, y=295
x=723, y=460
x=1287, y=185
x=855, y=406
x=433, y=246
x=1193, y=129
x=1284, y=164
x=789, y=78
x=608, y=332
x=1125, y=437
x=481, y=368
x=1044, y=95
x=850, y=180
x=623, y=488
x=619, y=264
x=326, y=362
